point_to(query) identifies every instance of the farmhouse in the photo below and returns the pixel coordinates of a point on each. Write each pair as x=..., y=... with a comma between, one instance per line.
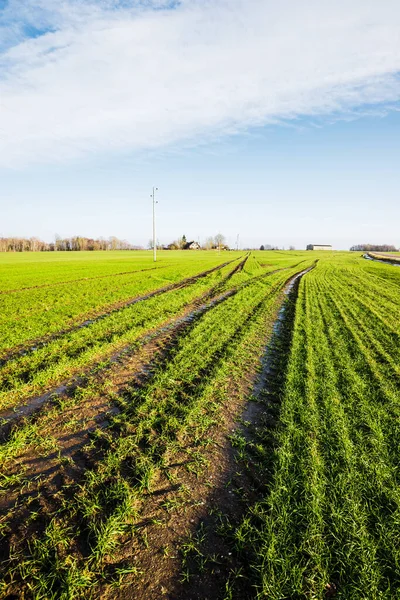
x=192, y=246
x=319, y=247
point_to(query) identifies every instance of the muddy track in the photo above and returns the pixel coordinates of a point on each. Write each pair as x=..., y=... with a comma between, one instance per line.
x=134, y=367
x=210, y=294
x=208, y=560
x=170, y=333
x=50, y=285
x=239, y=267
x=283, y=325
x=12, y=416
x=33, y=345
x=215, y=290
x=201, y=561
x=244, y=482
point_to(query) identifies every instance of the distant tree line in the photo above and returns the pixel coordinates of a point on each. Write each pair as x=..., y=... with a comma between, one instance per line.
x=76, y=243
x=373, y=248
x=182, y=243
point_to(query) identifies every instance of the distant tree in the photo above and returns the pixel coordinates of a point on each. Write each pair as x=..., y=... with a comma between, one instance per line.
x=103, y=244
x=219, y=240
x=262, y=247
x=113, y=242
x=292, y=248
x=182, y=242
x=209, y=243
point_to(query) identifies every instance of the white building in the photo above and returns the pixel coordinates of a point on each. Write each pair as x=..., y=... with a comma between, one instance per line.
x=319, y=247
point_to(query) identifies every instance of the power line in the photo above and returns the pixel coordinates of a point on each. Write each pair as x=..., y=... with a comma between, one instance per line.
x=155, y=189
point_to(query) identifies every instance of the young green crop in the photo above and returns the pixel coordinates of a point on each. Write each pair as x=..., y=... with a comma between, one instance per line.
x=34, y=372
x=329, y=522
x=324, y=518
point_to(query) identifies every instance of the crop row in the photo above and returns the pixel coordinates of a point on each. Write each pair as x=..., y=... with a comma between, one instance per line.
x=328, y=523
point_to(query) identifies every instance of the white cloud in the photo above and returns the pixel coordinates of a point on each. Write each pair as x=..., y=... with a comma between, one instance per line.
x=111, y=77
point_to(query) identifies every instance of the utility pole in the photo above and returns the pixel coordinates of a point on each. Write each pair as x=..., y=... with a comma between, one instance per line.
x=153, y=195
x=237, y=242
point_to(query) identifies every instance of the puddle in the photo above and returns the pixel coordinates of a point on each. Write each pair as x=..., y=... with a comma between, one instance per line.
x=254, y=408
x=386, y=261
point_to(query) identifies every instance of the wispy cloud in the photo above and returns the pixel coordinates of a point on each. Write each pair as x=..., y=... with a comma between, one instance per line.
x=79, y=78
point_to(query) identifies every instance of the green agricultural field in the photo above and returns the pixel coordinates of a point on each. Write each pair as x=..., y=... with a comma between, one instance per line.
x=221, y=426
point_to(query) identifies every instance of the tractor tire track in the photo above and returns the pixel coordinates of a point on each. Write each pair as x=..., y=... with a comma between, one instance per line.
x=389, y=260
x=11, y=419
x=129, y=367
x=14, y=373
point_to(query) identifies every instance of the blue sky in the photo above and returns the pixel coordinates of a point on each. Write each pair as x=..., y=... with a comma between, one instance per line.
x=278, y=124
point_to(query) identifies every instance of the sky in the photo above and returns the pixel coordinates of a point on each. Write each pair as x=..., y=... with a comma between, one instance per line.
x=277, y=122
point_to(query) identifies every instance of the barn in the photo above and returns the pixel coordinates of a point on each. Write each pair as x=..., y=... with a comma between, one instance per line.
x=319, y=247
